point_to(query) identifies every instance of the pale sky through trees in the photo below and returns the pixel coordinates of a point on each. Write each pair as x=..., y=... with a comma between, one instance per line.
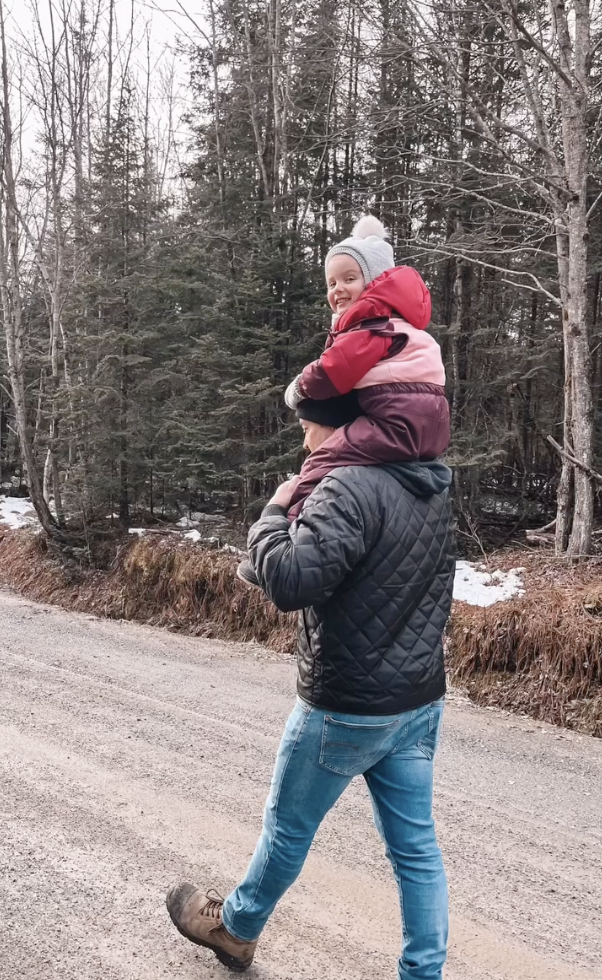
x=167, y=19
x=164, y=23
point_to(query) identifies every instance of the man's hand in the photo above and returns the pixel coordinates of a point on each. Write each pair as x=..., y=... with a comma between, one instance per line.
x=284, y=493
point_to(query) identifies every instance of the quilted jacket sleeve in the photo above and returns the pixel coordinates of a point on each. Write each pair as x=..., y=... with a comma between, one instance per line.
x=301, y=564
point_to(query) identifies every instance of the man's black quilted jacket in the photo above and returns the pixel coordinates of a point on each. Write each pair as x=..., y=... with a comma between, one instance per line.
x=369, y=563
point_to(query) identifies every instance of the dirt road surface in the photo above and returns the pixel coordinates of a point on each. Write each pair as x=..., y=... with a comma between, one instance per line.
x=131, y=758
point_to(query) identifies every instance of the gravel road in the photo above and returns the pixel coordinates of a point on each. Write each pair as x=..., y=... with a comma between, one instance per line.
x=131, y=757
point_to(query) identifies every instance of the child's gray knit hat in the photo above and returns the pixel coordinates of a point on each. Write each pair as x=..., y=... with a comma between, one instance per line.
x=368, y=247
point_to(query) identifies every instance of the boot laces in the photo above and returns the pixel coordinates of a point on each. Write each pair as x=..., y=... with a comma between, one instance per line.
x=213, y=906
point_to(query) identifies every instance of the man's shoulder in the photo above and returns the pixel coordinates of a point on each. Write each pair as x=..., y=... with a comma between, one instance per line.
x=394, y=484
x=367, y=480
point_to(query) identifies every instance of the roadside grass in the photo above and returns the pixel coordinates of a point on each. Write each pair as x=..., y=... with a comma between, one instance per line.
x=179, y=586
x=540, y=654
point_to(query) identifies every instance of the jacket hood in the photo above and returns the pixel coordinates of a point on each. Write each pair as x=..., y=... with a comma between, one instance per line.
x=400, y=291
x=421, y=479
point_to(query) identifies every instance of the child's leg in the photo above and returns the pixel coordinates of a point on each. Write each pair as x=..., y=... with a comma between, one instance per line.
x=402, y=423
x=360, y=443
x=412, y=421
x=318, y=465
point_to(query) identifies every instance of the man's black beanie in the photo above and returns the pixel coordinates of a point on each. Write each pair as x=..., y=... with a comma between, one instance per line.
x=330, y=411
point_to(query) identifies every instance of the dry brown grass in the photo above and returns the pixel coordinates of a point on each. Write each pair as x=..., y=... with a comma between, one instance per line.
x=540, y=654
x=178, y=586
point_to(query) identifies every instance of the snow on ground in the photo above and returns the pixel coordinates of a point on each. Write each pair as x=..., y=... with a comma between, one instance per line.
x=476, y=586
x=473, y=583
x=17, y=512
x=193, y=535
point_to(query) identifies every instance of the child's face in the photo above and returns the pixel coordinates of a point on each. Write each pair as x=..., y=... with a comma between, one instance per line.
x=345, y=282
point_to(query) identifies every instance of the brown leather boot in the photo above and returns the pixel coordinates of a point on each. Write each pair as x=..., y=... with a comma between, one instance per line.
x=198, y=917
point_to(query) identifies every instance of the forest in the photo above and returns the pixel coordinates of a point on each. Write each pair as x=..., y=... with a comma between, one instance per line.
x=165, y=211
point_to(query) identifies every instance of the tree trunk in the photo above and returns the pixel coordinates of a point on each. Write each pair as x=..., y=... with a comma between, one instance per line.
x=574, y=61
x=580, y=429
x=12, y=308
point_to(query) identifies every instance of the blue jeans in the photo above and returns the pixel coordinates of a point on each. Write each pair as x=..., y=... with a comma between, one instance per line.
x=320, y=753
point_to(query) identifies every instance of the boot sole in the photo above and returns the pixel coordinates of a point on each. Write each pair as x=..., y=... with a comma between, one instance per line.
x=234, y=964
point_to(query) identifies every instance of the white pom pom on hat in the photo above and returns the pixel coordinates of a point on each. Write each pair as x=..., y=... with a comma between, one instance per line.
x=369, y=226
x=367, y=245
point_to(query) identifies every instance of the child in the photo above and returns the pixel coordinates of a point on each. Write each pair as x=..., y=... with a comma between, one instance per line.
x=378, y=347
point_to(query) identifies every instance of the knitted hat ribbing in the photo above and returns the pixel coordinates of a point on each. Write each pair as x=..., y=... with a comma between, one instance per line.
x=368, y=247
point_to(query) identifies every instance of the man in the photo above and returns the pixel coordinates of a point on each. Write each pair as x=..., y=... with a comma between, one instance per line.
x=369, y=563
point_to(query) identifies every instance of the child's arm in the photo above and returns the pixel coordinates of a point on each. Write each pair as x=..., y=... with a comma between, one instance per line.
x=340, y=367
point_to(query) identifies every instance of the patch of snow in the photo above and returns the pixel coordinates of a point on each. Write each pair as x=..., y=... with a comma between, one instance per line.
x=232, y=550
x=193, y=536
x=197, y=517
x=478, y=587
x=136, y=530
x=17, y=512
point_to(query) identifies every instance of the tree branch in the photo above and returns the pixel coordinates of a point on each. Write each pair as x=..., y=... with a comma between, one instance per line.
x=451, y=252
x=576, y=462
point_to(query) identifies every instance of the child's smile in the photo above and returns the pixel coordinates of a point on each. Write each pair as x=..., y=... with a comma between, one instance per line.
x=345, y=282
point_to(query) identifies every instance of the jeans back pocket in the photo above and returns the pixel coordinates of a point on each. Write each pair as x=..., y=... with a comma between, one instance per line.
x=430, y=739
x=350, y=749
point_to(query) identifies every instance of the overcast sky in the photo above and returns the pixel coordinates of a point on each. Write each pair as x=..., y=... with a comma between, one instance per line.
x=169, y=17
x=166, y=19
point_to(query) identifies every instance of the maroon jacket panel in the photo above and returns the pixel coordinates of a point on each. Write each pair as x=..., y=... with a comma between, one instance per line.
x=402, y=423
